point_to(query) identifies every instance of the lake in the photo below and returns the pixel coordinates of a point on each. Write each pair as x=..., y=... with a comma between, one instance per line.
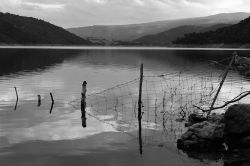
x=174, y=79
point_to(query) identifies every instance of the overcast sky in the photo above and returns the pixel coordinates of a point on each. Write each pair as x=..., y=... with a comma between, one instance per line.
x=73, y=13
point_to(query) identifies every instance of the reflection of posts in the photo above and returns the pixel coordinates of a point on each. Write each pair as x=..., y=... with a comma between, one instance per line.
x=39, y=100
x=83, y=104
x=52, y=103
x=16, y=98
x=139, y=109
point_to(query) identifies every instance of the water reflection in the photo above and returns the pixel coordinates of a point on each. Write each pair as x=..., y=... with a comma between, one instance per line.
x=39, y=72
x=13, y=61
x=238, y=157
x=29, y=124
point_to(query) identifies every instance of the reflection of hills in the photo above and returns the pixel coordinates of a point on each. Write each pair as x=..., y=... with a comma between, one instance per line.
x=152, y=59
x=14, y=61
x=156, y=60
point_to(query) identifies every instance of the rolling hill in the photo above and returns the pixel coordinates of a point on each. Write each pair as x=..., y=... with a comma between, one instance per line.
x=135, y=31
x=21, y=30
x=238, y=34
x=166, y=38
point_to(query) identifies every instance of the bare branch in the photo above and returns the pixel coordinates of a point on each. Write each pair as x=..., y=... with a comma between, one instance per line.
x=237, y=98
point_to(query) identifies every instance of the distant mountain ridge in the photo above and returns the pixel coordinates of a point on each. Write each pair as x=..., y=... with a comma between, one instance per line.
x=135, y=31
x=16, y=29
x=234, y=34
x=167, y=37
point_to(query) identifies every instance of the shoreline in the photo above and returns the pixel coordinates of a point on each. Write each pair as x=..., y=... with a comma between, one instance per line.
x=116, y=47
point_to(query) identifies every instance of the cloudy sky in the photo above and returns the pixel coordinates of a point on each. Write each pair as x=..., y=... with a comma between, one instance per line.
x=73, y=13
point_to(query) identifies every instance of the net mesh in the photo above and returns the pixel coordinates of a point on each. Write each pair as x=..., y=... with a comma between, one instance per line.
x=167, y=101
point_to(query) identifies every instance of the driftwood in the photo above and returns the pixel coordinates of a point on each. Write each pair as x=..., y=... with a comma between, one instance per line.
x=222, y=81
x=237, y=98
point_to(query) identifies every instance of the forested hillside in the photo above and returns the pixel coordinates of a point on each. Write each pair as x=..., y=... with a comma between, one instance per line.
x=16, y=29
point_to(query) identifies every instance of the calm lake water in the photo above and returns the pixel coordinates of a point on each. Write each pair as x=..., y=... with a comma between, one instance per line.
x=30, y=135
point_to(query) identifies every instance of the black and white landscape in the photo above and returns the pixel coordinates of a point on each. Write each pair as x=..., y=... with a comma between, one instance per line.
x=124, y=82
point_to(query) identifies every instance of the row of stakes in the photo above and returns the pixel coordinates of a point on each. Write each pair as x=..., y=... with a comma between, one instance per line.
x=39, y=101
x=83, y=103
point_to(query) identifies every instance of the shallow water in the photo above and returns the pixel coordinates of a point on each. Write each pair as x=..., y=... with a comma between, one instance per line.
x=58, y=138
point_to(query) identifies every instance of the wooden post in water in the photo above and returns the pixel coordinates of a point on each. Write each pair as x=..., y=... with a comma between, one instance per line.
x=39, y=100
x=16, y=98
x=222, y=82
x=52, y=103
x=83, y=104
x=139, y=109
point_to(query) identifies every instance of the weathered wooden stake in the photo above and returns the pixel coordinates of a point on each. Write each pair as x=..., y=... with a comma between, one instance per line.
x=139, y=108
x=83, y=104
x=52, y=103
x=222, y=82
x=16, y=98
x=156, y=111
x=39, y=100
x=164, y=111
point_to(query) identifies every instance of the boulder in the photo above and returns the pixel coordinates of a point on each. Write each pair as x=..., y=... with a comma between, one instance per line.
x=195, y=118
x=208, y=130
x=215, y=118
x=237, y=120
x=203, y=136
x=238, y=142
x=219, y=132
x=245, y=142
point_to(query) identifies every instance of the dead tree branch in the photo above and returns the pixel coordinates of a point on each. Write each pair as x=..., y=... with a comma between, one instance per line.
x=237, y=98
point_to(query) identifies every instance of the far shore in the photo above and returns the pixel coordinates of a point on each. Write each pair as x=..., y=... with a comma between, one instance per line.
x=116, y=47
